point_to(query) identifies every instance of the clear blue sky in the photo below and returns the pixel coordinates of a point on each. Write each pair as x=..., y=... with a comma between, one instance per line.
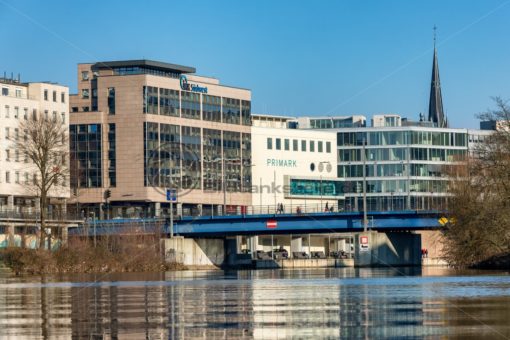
x=298, y=58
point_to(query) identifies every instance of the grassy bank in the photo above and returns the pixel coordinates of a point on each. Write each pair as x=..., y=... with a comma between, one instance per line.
x=79, y=256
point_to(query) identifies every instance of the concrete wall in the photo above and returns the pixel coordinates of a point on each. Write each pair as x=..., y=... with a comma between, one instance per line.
x=389, y=249
x=304, y=263
x=195, y=252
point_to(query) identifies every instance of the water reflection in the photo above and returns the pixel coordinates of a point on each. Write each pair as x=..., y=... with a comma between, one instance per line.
x=318, y=303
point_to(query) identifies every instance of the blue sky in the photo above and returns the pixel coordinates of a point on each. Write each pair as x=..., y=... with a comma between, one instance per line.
x=298, y=58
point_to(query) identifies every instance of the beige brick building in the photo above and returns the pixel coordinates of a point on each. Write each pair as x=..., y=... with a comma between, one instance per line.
x=139, y=127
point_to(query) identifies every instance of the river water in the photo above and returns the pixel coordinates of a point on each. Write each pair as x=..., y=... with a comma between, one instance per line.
x=263, y=304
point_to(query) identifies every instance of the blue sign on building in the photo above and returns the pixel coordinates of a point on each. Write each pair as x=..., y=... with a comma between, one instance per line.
x=171, y=195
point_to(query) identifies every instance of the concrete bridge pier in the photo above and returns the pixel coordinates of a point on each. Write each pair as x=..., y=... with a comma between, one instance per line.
x=296, y=244
x=252, y=243
x=373, y=249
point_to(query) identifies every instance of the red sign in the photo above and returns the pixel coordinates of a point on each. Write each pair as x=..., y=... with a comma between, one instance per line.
x=271, y=224
x=363, y=240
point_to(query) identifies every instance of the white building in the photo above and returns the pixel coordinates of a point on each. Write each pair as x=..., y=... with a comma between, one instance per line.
x=296, y=168
x=20, y=102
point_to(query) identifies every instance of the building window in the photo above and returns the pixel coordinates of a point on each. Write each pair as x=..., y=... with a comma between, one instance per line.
x=17, y=177
x=25, y=113
x=85, y=75
x=16, y=112
x=8, y=155
x=8, y=177
x=85, y=155
x=7, y=111
x=211, y=108
x=112, y=158
x=169, y=103
x=190, y=105
x=278, y=144
x=85, y=93
x=295, y=145
x=319, y=146
x=63, y=117
x=303, y=145
x=45, y=94
x=231, y=111
x=232, y=160
x=286, y=144
x=62, y=97
x=246, y=112
x=34, y=114
x=312, y=146
x=7, y=133
x=269, y=143
x=85, y=109
x=18, y=93
x=74, y=109
x=213, y=177
x=150, y=100
x=328, y=147
x=5, y=91
x=55, y=96
x=111, y=100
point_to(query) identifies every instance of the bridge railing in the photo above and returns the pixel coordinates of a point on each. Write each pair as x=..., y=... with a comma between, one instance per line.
x=33, y=214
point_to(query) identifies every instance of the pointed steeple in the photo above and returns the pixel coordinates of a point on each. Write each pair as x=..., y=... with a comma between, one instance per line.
x=436, y=114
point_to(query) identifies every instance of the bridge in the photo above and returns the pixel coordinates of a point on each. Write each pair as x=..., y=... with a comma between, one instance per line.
x=269, y=224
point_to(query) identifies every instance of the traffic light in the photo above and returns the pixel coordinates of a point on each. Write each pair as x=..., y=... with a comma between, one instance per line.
x=107, y=193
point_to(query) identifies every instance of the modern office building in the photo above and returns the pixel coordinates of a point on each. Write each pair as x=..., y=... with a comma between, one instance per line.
x=21, y=102
x=294, y=168
x=139, y=127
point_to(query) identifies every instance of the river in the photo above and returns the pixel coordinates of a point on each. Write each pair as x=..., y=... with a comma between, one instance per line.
x=264, y=304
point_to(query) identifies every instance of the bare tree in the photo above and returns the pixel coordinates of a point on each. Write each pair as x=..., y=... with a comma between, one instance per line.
x=45, y=145
x=480, y=205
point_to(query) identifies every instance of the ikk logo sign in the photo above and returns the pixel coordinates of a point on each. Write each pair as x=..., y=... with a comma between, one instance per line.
x=183, y=80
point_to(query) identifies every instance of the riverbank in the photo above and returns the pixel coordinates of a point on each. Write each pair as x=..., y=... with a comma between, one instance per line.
x=85, y=258
x=497, y=262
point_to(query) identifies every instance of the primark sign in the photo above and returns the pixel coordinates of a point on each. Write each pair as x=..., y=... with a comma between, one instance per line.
x=285, y=163
x=187, y=86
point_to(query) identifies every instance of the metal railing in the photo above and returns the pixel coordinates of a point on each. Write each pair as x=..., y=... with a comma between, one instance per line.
x=33, y=214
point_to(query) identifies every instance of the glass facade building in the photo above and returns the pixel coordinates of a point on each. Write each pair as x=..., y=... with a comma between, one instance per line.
x=404, y=166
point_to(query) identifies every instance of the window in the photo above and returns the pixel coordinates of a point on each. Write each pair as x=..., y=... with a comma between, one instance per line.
x=18, y=93
x=16, y=155
x=328, y=147
x=295, y=145
x=7, y=133
x=111, y=100
x=269, y=143
x=54, y=116
x=16, y=134
x=85, y=109
x=7, y=111
x=63, y=115
x=25, y=113
x=34, y=114
x=312, y=146
x=319, y=146
x=17, y=177
x=62, y=97
x=278, y=144
x=45, y=94
x=7, y=155
x=287, y=144
x=16, y=112
x=55, y=96
x=303, y=145
x=85, y=75
x=46, y=114
x=74, y=109
x=8, y=177
x=5, y=91
x=85, y=93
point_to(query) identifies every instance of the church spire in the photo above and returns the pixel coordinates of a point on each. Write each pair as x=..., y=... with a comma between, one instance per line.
x=436, y=114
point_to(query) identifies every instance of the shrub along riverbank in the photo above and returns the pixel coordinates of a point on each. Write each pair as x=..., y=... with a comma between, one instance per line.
x=79, y=256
